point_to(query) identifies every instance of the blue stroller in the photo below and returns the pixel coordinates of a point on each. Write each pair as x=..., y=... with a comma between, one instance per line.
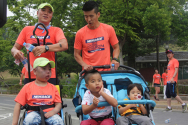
x=117, y=82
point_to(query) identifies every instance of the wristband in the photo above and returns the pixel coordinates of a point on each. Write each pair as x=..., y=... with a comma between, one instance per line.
x=115, y=59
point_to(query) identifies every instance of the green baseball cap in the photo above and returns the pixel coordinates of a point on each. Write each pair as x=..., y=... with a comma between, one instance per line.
x=41, y=61
x=42, y=5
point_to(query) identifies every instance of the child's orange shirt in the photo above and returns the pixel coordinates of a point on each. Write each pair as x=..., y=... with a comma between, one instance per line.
x=34, y=95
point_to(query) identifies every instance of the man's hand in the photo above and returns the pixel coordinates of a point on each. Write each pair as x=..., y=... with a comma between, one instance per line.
x=88, y=67
x=115, y=63
x=95, y=101
x=17, y=54
x=37, y=51
x=49, y=114
x=20, y=83
x=172, y=80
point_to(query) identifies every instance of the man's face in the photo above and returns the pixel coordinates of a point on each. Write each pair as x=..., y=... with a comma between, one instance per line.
x=45, y=15
x=43, y=73
x=170, y=55
x=91, y=18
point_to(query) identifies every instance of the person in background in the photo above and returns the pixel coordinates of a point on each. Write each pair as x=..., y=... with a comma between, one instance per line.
x=22, y=75
x=172, y=67
x=165, y=77
x=156, y=83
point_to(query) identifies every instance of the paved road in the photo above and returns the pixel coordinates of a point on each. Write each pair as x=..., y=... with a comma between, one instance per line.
x=7, y=106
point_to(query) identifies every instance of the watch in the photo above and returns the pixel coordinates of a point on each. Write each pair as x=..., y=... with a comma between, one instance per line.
x=115, y=59
x=46, y=48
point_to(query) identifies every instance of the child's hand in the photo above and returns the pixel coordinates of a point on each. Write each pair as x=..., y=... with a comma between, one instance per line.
x=95, y=101
x=49, y=114
x=132, y=105
x=102, y=90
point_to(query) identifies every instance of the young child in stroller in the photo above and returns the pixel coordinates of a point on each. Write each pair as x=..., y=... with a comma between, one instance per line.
x=133, y=112
x=97, y=93
x=39, y=93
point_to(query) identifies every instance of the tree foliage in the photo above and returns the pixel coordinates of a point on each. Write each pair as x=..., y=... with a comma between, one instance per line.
x=136, y=22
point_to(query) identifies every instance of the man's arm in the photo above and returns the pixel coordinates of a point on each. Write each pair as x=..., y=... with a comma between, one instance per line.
x=15, y=51
x=62, y=45
x=175, y=73
x=79, y=59
x=16, y=113
x=116, y=52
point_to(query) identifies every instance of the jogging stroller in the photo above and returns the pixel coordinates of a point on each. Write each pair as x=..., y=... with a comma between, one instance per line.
x=117, y=82
x=67, y=120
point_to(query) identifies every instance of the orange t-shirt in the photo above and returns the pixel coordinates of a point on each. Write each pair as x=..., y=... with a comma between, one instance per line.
x=95, y=44
x=157, y=78
x=34, y=95
x=171, y=69
x=165, y=77
x=23, y=70
x=26, y=35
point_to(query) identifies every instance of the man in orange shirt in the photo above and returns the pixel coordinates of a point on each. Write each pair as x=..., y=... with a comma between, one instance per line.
x=165, y=77
x=94, y=41
x=172, y=67
x=55, y=41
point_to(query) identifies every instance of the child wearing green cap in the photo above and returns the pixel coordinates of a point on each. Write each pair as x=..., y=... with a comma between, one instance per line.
x=39, y=93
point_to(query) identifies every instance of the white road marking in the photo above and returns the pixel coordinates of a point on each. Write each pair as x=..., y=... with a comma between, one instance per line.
x=4, y=116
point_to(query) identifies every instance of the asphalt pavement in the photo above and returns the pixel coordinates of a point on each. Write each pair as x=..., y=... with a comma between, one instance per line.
x=176, y=116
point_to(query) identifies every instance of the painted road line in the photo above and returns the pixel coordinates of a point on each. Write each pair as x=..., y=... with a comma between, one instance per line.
x=4, y=116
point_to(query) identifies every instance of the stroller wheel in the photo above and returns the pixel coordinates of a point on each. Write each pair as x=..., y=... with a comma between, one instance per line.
x=66, y=119
x=70, y=120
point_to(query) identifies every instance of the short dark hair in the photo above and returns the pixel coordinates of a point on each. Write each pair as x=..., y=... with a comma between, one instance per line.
x=90, y=5
x=89, y=73
x=131, y=86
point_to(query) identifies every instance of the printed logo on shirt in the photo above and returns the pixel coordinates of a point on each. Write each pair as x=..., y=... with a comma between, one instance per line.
x=41, y=96
x=93, y=45
x=40, y=37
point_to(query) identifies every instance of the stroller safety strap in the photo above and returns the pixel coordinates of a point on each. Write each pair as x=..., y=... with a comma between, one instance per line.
x=102, y=118
x=39, y=108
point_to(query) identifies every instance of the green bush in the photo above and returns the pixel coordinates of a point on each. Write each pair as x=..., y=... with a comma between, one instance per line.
x=68, y=90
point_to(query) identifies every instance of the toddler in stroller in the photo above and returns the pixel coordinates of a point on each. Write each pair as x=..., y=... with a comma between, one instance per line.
x=133, y=112
x=95, y=94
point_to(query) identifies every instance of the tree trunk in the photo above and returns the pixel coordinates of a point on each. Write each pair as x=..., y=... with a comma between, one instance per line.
x=157, y=48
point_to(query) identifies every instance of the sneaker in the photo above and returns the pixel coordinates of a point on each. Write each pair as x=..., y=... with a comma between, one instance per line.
x=168, y=109
x=184, y=107
x=155, y=98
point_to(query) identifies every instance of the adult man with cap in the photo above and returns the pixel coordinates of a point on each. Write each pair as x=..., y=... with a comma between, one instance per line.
x=55, y=41
x=172, y=67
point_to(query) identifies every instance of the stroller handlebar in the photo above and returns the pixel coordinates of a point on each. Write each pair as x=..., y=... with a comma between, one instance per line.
x=108, y=66
x=144, y=101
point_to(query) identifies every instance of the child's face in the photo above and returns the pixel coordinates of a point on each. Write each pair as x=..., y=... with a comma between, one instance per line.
x=94, y=83
x=43, y=73
x=133, y=93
